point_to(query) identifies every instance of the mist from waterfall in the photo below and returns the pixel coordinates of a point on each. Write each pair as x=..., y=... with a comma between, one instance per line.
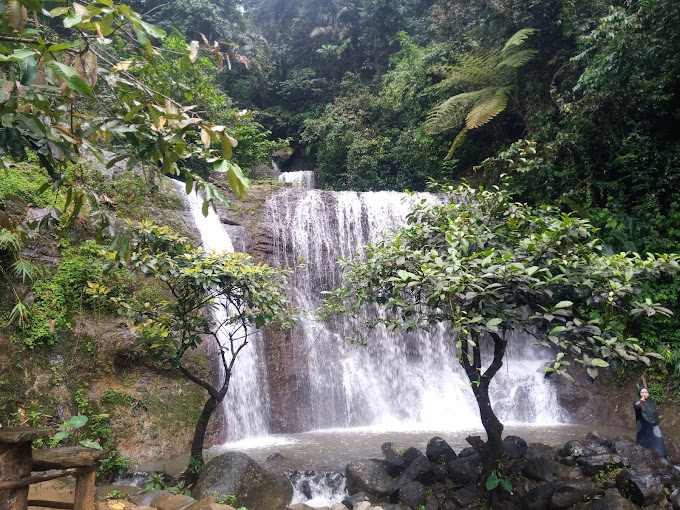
x=398, y=380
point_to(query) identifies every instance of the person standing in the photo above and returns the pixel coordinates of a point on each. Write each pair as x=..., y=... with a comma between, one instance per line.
x=647, y=417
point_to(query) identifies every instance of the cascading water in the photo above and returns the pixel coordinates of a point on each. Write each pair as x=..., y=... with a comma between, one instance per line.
x=302, y=178
x=397, y=381
x=247, y=403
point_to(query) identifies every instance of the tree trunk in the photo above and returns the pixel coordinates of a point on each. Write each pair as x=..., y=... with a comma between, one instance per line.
x=492, y=450
x=196, y=462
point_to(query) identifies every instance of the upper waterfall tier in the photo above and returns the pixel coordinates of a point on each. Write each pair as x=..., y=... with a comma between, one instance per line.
x=397, y=380
x=303, y=178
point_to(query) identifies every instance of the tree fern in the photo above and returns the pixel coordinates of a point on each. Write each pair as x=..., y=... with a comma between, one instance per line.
x=495, y=73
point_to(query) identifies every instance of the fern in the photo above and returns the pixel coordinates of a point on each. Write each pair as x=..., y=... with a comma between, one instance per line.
x=496, y=75
x=518, y=39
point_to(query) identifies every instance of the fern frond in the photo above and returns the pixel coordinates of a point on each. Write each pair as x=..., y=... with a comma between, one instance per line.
x=456, y=142
x=322, y=31
x=517, y=39
x=483, y=112
x=451, y=112
x=518, y=59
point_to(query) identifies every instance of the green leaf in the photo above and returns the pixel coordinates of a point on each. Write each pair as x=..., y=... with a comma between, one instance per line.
x=76, y=422
x=492, y=482
x=506, y=485
x=71, y=77
x=28, y=67
x=72, y=20
x=563, y=304
x=598, y=362
x=88, y=443
x=557, y=329
x=494, y=322
x=153, y=30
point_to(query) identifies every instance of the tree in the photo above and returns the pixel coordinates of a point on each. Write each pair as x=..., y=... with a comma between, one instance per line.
x=215, y=297
x=64, y=95
x=496, y=74
x=486, y=266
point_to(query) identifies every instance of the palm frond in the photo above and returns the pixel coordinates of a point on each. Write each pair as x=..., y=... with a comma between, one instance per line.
x=518, y=59
x=451, y=112
x=456, y=142
x=486, y=110
x=20, y=314
x=24, y=269
x=9, y=241
x=517, y=39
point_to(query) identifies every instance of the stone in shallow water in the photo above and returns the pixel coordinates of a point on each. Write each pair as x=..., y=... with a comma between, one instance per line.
x=237, y=474
x=515, y=447
x=368, y=475
x=439, y=451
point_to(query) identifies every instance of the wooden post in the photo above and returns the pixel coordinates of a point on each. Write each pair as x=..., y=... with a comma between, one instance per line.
x=16, y=459
x=84, y=496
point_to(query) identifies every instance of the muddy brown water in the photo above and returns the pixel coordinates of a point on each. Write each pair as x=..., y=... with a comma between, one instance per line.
x=333, y=449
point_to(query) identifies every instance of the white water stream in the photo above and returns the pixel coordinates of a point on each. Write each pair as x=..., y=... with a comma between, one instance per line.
x=247, y=402
x=398, y=381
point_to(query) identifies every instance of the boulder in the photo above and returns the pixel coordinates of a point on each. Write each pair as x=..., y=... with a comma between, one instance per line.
x=571, y=449
x=538, y=498
x=302, y=506
x=395, y=463
x=176, y=502
x=362, y=506
x=368, y=475
x=420, y=470
x=673, y=448
x=237, y=474
x=467, y=452
x=539, y=468
x=359, y=497
x=390, y=506
x=515, y=447
x=392, y=447
x=413, y=494
x=146, y=498
x=465, y=496
x=209, y=504
x=431, y=505
x=642, y=487
x=600, y=463
x=412, y=454
x=338, y=506
x=611, y=500
x=570, y=493
x=640, y=457
x=464, y=470
x=675, y=499
x=439, y=451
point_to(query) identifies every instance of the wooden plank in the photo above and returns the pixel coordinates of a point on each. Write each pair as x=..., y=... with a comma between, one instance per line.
x=66, y=457
x=50, y=504
x=29, y=480
x=23, y=434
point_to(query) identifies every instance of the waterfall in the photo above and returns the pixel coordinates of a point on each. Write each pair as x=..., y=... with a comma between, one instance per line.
x=409, y=380
x=302, y=178
x=246, y=405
